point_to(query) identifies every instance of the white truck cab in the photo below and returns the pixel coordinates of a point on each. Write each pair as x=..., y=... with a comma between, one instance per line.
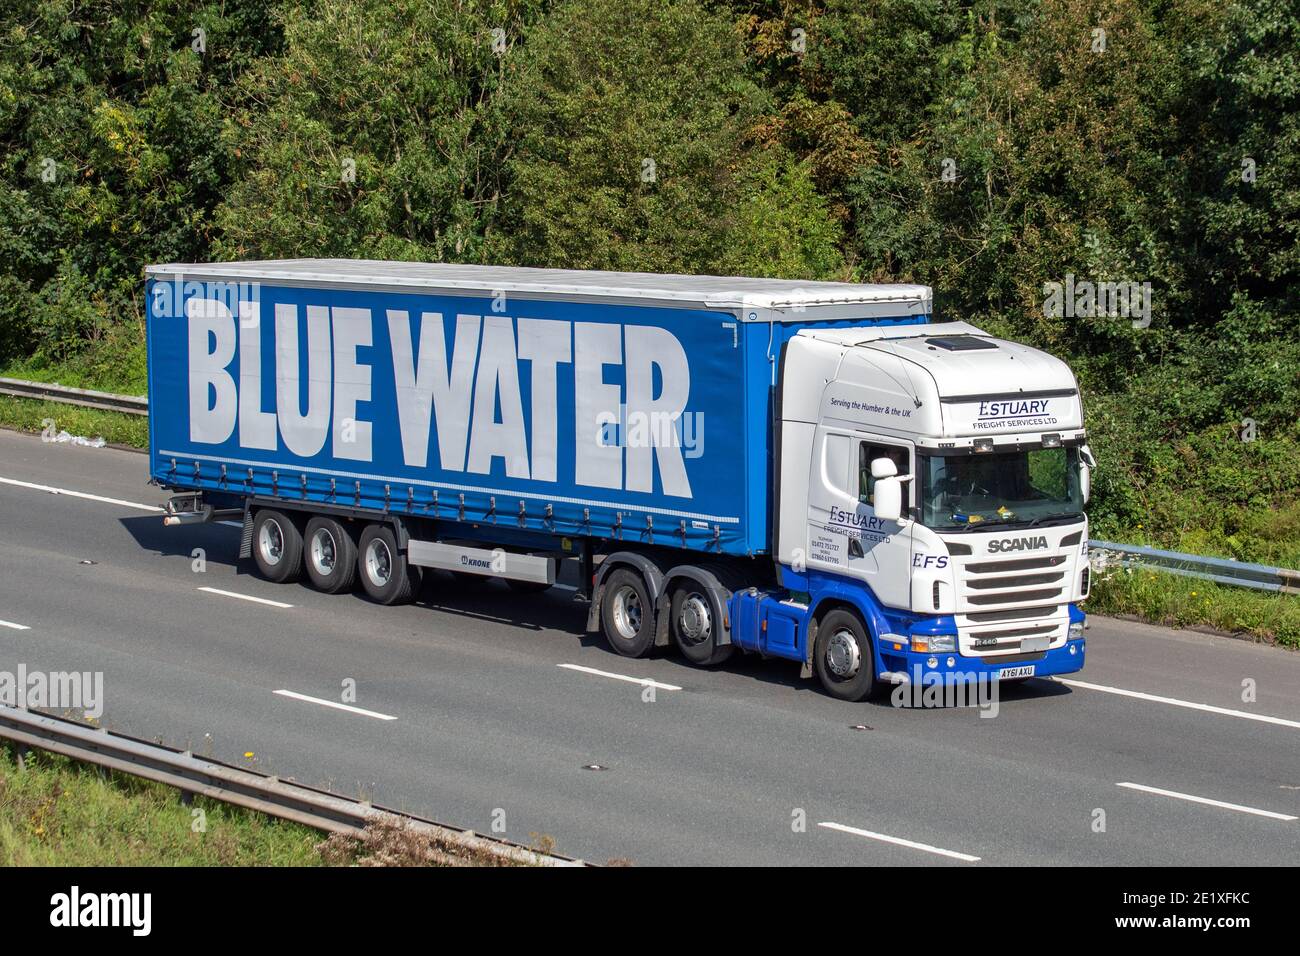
x=947, y=470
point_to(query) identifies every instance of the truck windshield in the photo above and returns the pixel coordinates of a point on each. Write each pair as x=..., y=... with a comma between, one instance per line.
x=1015, y=487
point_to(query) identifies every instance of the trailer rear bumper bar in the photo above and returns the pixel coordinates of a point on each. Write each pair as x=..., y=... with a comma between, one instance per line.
x=190, y=508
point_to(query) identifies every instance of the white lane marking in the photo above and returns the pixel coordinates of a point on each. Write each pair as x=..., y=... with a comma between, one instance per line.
x=245, y=597
x=1191, y=705
x=16, y=627
x=884, y=838
x=1205, y=800
x=335, y=705
x=643, y=681
x=79, y=494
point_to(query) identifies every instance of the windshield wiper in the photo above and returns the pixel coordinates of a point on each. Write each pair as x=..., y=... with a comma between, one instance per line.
x=976, y=525
x=1018, y=522
x=1055, y=514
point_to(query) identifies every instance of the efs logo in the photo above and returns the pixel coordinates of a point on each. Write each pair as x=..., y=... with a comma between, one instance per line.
x=929, y=560
x=1017, y=544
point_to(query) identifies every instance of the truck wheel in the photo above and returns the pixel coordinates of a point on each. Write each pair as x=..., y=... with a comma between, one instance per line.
x=329, y=555
x=843, y=658
x=626, y=613
x=694, y=620
x=385, y=575
x=277, y=546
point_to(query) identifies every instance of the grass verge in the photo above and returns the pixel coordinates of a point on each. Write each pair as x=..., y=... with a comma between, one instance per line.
x=55, y=811
x=112, y=363
x=36, y=416
x=1179, y=601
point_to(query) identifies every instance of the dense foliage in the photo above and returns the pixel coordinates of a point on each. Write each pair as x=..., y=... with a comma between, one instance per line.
x=985, y=148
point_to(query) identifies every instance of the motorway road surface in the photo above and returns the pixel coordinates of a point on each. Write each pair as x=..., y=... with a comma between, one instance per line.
x=492, y=720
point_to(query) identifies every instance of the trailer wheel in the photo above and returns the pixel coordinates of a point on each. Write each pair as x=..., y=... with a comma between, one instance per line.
x=330, y=555
x=843, y=658
x=385, y=575
x=694, y=619
x=277, y=546
x=627, y=614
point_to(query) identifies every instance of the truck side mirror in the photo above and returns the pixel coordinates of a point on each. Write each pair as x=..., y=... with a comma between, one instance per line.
x=883, y=468
x=1086, y=464
x=888, y=497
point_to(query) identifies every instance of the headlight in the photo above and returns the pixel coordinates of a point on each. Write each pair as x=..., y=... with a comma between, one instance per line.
x=1076, y=631
x=935, y=643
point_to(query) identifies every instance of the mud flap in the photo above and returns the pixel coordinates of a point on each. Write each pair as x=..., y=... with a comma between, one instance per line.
x=662, y=638
x=593, y=612
x=246, y=535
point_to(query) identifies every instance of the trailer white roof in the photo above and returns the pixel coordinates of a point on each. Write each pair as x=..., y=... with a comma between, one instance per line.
x=713, y=292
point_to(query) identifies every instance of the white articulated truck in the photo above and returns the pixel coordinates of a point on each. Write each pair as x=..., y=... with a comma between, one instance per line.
x=813, y=471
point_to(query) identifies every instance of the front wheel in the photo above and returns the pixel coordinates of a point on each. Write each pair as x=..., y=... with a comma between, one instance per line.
x=385, y=575
x=842, y=657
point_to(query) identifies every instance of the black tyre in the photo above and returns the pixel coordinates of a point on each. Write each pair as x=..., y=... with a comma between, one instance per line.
x=843, y=658
x=695, y=620
x=277, y=546
x=627, y=614
x=385, y=575
x=329, y=555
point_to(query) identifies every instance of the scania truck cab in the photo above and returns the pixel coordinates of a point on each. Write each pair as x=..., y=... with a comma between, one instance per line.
x=934, y=478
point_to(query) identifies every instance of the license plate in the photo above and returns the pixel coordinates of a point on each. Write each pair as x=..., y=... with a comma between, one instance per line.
x=1011, y=673
x=1032, y=645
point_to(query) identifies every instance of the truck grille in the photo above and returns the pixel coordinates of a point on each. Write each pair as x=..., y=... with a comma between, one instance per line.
x=1018, y=564
x=1020, y=580
x=1007, y=601
x=1014, y=583
x=1013, y=597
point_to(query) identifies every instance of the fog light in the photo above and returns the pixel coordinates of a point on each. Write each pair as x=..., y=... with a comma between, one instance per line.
x=952, y=661
x=932, y=662
x=1074, y=649
x=1076, y=630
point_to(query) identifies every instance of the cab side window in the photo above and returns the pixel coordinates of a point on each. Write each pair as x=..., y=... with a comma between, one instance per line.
x=869, y=452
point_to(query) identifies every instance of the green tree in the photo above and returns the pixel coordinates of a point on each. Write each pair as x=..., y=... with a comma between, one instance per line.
x=110, y=115
x=369, y=136
x=627, y=120
x=639, y=149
